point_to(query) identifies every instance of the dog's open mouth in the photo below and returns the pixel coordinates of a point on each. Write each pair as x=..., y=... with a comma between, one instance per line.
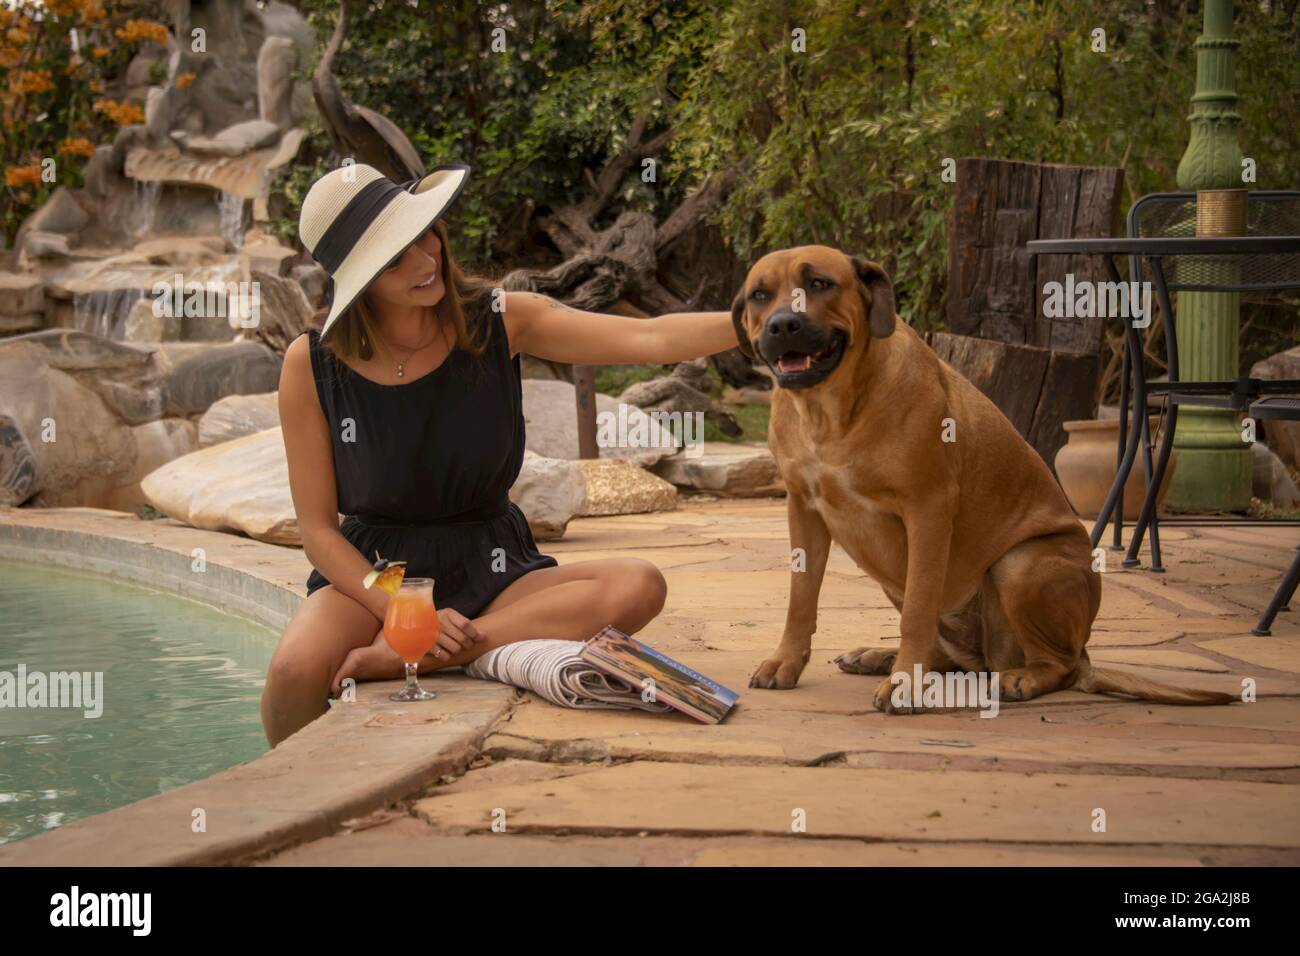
x=802, y=369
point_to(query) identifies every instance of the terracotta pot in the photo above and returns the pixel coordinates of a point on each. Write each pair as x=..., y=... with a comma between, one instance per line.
x=1085, y=466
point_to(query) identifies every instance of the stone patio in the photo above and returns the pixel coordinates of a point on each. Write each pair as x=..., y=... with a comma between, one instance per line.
x=1214, y=785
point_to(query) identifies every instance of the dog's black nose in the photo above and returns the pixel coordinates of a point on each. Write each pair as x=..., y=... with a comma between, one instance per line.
x=784, y=323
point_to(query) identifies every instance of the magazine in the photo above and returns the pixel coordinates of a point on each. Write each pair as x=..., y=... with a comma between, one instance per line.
x=640, y=666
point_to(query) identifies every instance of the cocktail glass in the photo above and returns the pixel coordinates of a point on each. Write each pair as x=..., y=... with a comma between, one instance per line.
x=411, y=629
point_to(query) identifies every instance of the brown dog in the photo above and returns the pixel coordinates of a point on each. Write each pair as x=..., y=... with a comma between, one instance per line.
x=889, y=452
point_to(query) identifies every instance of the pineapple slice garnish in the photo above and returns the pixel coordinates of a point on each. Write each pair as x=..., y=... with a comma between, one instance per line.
x=386, y=575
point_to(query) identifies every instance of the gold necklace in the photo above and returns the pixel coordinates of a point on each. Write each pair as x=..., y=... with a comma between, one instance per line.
x=401, y=366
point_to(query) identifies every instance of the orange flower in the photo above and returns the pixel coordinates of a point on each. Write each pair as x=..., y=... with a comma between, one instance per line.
x=99, y=52
x=23, y=175
x=135, y=30
x=18, y=36
x=32, y=81
x=184, y=80
x=96, y=86
x=9, y=57
x=77, y=146
x=123, y=114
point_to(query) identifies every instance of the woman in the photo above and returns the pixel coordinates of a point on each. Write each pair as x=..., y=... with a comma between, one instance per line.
x=405, y=414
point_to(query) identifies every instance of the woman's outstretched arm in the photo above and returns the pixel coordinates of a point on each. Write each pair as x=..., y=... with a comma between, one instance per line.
x=542, y=327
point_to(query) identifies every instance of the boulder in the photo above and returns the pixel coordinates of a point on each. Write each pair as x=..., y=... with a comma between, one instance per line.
x=183, y=250
x=21, y=324
x=61, y=214
x=21, y=294
x=312, y=278
x=239, y=368
x=80, y=448
x=1269, y=479
x=740, y=470
x=551, y=419
x=134, y=404
x=672, y=395
x=695, y=373
x=240, y=486
x=143, y=324
x=156, y=443
x=267, y=255
x=616, y=487
x=1283, y=437
x=235, y=140
x=276, y=62
x=45, y=245
x=236, y=416
x=283, y=312
x=549, y=491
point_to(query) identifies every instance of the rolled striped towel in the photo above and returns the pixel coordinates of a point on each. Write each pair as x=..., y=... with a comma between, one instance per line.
x=554, y=671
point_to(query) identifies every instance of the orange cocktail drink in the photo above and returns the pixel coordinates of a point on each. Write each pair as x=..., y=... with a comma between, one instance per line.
x=411, y=629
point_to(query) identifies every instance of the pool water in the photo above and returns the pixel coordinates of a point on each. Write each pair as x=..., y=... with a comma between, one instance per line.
x=182, y=684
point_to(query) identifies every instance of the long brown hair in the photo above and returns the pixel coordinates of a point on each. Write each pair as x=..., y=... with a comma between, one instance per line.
x=353, y=334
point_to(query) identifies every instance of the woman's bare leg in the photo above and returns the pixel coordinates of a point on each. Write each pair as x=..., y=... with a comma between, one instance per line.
x=325, y=628
x=570, y=603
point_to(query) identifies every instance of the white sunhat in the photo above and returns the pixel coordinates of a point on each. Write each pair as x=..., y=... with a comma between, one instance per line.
x=356, y=222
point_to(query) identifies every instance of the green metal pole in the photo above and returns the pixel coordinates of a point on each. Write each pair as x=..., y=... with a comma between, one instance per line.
x=1213, y=471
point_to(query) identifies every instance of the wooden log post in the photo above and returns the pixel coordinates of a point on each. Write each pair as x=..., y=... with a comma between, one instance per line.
x=1041, y=372
x=584, y=394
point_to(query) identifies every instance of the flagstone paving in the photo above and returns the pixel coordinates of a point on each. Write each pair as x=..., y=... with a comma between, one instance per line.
x=815, y=775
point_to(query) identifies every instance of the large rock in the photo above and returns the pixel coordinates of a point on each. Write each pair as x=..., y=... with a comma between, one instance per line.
x=38, y=244
x=695, y=373
x=312, y=278
x=672, y=395
x=1269, y=479
x=240, y=368
x=1283, y=437
x=731, y=471
x=126, y=377
x=552, y=425
x=21, y=293
x=156, y=443
x=240, y=486
x=549, y=491
x=275, y=65
x=60, y=214
x=235, y=140
x=238, y=415
x=80, y=448
x=616, y=487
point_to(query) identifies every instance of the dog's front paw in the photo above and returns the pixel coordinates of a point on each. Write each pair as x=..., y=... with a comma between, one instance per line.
x=777, y=673
x=867, y=660
x=884, y=699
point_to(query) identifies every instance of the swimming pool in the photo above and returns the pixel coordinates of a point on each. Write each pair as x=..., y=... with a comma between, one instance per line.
x=181, y=684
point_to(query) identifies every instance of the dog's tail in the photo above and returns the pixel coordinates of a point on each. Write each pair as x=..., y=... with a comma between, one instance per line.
x=1100, y=681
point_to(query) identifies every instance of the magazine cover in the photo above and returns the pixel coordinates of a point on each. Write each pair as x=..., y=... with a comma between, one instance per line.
x=626, y=658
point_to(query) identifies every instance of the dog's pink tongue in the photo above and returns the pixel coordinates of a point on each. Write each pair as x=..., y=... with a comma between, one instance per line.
x=795, y=363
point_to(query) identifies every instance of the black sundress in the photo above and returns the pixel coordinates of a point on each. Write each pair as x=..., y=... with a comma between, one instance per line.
x=423, y=470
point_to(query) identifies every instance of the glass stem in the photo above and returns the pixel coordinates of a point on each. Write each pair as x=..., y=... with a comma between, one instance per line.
x=411, y=682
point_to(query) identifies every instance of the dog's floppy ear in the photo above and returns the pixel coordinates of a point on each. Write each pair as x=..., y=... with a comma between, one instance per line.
x=738, y=310
x=880, y=306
